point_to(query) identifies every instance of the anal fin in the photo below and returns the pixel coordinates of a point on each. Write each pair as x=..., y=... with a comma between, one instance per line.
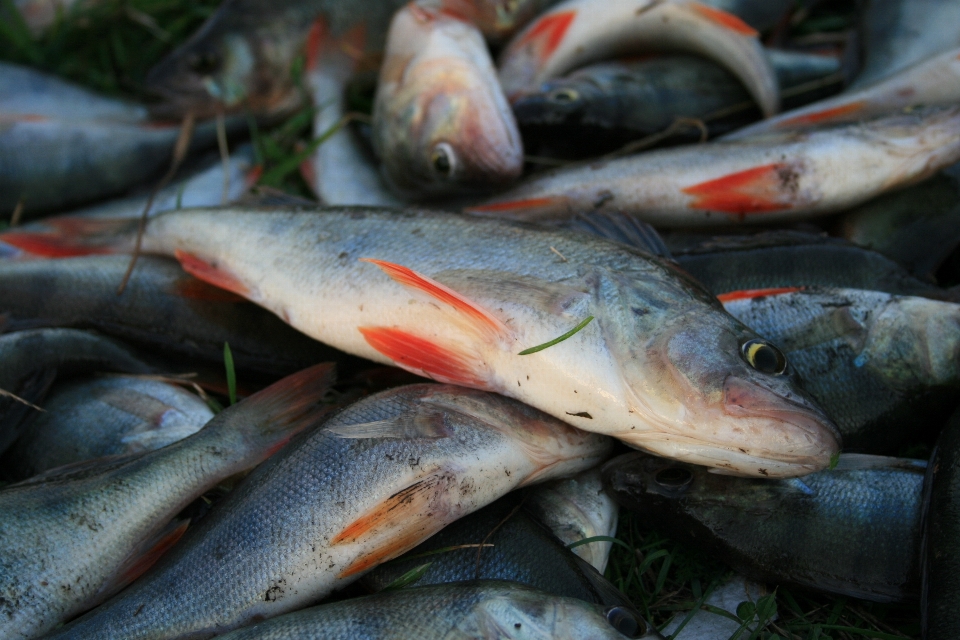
x=211, y=272
x=144, y=557
x=426, y=357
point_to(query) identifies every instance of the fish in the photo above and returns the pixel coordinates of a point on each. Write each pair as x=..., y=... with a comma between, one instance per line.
x=896, y=34
x=706, y=624
x=577, y=32
x=932, y=82
x=853, y=530
x=361, y=488
x=883, y=367
x=599, y=108
x=482, y=609
x=576, y=509
x=918, y=227
x=941, y=586
x=441, y=122
x=73, y=537
x=31, y=360
x=759, y=14
x=771, y=178
x=242, y=57
x=786, y=258
x=516, y=547
x=86, y=418
x=61, y=145
x=457, y=298
x=341, y=171
x=161, y=308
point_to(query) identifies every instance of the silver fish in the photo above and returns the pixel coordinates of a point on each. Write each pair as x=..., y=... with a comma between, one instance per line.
x=366, y=486
x=70, y=539
x=457, y=298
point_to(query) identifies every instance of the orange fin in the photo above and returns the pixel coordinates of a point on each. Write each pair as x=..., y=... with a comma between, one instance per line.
x=479, y=316
x=72, y=236
x=194, y=289
x=145, y=557
x=210, y=272
x=400, y=522
x=320, y=43
x=423, y=357
x=516, y=205
x=826, y=115
x=724, y=19
x=547, y=33
x=749, y=294
x=761, y=189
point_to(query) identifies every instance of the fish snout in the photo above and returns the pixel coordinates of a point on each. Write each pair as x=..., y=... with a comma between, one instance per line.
x=793, y=429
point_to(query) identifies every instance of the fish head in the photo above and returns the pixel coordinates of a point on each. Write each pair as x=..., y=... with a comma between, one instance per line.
x=441, y=121
x=222, y=70
x=523, y=613
x=557, y=102
x=708, y=390
x=659, y=488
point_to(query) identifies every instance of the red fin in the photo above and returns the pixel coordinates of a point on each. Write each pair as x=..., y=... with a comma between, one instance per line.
x=749, y=294
x=315, y=38
x=144, y=561
x=547, y=33
x=515, y=205
x=423, y=357
x=194, y=289
x=760, y=189
x=309, y=174
x=724, y=19
x=321, y=44
x=410, y=278
x=252, y=176
x=824, y=116
x=209, y=272
x=401, y=521
x=73, y=236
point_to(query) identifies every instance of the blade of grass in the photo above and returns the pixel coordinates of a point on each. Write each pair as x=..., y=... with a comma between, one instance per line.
x=231, y=373
x=546, y=345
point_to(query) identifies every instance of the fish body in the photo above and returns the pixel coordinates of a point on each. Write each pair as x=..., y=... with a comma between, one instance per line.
x=931, y=82
x=577, y=32
x=419, y=290
x=853, y=530
x=899, y=33
x=519, y=548
x=771, y=178
x=598, y=108
x=440, y=119
x=773, y=259
x=161, y=307
x=884, y=367
x=941, y=586
x=31, y=360
x=358, y=490
x=575, y=509
x=61, y=145
x=474, y=610
x=243, y=55
x=117, y=415
x=918, y=226
x=71, y=538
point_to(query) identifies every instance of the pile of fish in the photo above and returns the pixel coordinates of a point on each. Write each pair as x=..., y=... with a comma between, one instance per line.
x=728, y=304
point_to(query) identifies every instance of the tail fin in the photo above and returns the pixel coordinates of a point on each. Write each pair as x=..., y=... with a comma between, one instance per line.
x=269, y=418
x=70, y=236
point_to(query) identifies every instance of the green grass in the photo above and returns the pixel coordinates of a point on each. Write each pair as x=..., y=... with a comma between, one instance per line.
x=110, y=48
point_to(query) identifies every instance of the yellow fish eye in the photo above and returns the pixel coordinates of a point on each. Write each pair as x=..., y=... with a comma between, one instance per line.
x=763, y=356
x=564, y=96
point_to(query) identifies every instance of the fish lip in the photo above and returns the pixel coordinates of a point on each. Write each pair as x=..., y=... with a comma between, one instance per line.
x=745, y=399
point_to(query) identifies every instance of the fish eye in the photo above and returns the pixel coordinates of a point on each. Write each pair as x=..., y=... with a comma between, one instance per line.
x=673, y=477
x=204, y=63
x=443, y=159
x=626, y=622
x=763, y=356
x=563, y=96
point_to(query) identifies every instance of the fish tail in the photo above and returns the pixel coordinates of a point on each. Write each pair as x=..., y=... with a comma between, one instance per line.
x=70, y=236
x=269, y=418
